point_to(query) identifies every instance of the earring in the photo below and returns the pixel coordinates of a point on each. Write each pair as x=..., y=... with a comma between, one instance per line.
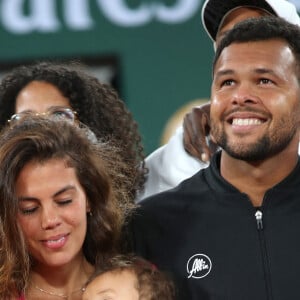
x=90, y=213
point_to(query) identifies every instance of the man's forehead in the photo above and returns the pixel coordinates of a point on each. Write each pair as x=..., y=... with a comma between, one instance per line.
x=264, y=55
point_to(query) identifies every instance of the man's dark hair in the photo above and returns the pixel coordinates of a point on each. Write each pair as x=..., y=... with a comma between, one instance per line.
x=261, y=29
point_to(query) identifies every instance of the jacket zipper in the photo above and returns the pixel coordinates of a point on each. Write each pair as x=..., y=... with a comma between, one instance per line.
x=262, y=240
x=259, y=223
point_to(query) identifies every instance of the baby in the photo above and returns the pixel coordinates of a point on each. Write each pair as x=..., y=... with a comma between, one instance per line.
x=129, y=278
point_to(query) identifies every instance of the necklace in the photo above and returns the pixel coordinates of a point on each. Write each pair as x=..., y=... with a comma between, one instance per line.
x=64, y=296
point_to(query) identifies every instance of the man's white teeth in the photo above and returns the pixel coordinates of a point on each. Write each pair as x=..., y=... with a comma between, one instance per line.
x=245, y=122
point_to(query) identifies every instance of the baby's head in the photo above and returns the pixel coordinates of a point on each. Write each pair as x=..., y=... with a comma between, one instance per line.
x=129, y=278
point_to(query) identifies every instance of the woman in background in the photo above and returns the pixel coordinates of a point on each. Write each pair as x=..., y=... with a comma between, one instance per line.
x=49, y=88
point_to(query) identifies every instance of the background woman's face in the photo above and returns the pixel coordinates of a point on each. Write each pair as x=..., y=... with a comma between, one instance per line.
x=39, y=96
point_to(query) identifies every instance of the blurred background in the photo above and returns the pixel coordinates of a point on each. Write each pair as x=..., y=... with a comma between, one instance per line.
x=154, y=52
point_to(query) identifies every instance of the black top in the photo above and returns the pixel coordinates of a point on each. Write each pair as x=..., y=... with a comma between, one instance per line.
x=217, y=245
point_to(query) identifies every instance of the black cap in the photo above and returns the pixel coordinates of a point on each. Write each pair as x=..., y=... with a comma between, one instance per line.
x=213, y=12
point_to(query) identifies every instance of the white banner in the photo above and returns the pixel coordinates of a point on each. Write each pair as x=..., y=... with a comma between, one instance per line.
x=43, y=15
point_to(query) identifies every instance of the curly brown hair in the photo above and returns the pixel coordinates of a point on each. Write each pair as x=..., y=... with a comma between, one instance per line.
x=100, y=172
x=97, y=105
x=151, y=284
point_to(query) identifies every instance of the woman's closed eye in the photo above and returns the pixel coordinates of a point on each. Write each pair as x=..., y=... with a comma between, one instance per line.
x=28, y=209
x=63, y=202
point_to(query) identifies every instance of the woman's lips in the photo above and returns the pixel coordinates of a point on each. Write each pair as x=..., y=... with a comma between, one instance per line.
x=55, y=242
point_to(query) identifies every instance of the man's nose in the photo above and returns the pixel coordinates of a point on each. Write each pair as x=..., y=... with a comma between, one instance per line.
x=244, y=94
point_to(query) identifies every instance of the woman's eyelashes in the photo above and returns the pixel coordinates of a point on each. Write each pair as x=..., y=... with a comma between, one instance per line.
x=27, y=208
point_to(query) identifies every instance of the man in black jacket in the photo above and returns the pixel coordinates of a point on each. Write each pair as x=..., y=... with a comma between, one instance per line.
x=171, y=163
x=232, y=230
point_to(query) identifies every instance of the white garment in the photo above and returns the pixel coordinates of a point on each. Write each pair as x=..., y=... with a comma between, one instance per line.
x=169, y=165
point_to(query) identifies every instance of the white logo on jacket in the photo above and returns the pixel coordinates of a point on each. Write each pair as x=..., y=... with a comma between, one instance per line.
x=198, y=266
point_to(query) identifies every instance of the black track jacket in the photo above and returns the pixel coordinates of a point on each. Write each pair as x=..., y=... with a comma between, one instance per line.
x=216, y=245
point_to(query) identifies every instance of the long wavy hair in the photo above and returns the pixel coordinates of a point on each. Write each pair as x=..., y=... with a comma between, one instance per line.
x=99, y=169
x=97, y=105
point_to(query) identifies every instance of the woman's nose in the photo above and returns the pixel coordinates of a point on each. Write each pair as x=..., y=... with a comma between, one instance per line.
x=50, y=218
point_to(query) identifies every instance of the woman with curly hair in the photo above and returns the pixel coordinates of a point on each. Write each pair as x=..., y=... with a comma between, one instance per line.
x=48, y=87
x=62, y=207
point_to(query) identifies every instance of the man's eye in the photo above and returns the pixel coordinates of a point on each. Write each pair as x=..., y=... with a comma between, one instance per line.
x=227, y=82
x=265, y=81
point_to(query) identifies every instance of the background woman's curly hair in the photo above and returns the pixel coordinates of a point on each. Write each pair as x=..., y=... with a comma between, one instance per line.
x=97, y=105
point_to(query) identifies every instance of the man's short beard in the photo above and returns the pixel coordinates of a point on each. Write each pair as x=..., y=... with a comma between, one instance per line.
x=261, y=150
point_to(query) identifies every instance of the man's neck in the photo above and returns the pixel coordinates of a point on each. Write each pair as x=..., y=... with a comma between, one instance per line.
x=255, y=178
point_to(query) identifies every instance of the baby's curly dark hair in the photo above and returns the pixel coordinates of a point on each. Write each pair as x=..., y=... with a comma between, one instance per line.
x=151, y=283
x=97, y=105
